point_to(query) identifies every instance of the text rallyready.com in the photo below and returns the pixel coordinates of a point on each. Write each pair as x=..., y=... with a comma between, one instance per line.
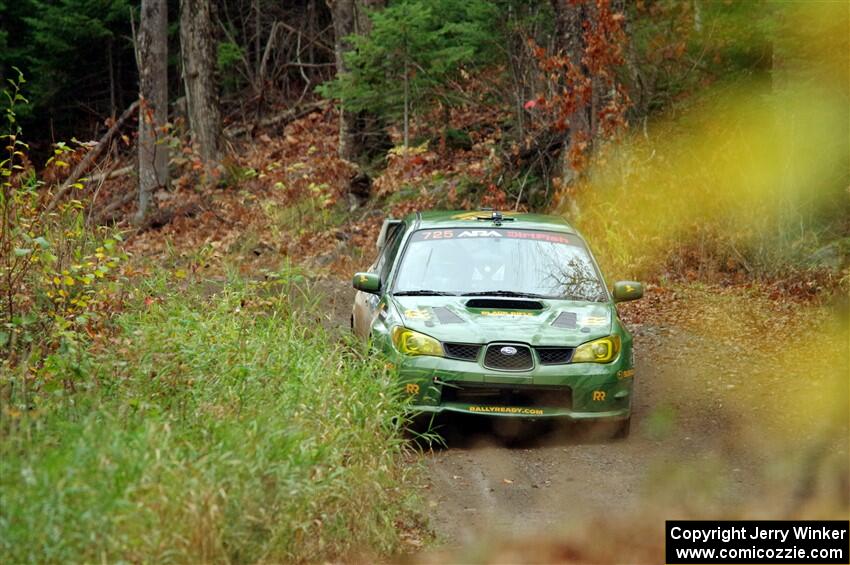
x=756, y=533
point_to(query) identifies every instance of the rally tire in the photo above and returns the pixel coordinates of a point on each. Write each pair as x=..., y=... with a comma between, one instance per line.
x=622, y=429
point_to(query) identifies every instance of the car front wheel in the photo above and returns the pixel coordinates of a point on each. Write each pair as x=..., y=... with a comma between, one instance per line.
x=622, y=429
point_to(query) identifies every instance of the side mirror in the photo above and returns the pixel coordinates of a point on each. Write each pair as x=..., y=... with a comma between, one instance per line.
x=627, y=290
x=367, y=282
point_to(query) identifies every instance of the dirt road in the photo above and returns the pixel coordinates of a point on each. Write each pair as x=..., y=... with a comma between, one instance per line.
x=706, y=441
x=483, y=485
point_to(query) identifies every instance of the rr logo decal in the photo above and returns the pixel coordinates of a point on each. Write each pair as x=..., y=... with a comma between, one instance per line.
x=411, y=388
x=598, y=395
x=363, y=278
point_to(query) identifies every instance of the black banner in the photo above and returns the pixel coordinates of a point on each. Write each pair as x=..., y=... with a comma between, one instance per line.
x=757, y=541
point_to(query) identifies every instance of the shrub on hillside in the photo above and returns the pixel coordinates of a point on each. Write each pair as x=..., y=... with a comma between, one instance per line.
x=57, y=274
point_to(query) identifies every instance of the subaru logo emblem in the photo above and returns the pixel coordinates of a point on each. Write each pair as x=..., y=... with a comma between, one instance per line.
x=508, y=350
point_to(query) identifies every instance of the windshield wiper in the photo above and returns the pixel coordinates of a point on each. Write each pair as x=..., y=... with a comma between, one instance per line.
x=506, y=293
x=423, y=293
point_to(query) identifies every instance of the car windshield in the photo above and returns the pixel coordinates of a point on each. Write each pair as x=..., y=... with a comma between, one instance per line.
x=498, y=262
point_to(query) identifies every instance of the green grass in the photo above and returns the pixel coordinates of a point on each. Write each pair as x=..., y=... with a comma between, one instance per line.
x=222, y=429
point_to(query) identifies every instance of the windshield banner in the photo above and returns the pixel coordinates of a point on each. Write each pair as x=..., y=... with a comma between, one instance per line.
x=535, y=235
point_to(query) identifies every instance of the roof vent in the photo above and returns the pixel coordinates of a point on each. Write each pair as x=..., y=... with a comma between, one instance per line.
x=496, y=217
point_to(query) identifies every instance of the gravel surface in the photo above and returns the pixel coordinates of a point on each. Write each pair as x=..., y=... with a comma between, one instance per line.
x=488, y=481
x=717, y=431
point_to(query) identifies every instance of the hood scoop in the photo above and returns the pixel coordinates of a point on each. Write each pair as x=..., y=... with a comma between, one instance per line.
x=502, y=304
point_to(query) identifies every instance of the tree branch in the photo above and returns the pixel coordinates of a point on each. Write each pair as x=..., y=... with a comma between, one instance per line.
x=284, y=117
x=90, y=157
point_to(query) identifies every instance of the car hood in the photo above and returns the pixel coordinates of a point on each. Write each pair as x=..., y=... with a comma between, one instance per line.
x=483, y=320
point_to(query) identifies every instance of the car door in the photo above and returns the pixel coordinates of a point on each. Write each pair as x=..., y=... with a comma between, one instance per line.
x=366, y=304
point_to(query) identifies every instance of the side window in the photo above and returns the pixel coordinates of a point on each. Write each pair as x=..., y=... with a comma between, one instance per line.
x=385, y=261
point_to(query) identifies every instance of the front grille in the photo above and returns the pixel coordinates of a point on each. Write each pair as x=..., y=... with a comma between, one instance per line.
x=521, y=360
x=554, y=355
x=528, y=396
x=462, y=351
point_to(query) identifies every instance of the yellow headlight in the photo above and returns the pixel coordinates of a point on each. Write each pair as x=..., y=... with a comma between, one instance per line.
x=410, y=342
x=602, y=350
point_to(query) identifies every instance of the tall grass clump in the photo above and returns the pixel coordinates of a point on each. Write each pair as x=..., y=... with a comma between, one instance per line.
x=222, y=429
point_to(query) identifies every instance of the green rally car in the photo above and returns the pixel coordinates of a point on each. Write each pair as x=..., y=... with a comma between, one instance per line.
x=498, y=315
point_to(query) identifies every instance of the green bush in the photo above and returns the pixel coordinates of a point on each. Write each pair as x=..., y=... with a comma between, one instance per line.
x=225, y=429
x=58, y=275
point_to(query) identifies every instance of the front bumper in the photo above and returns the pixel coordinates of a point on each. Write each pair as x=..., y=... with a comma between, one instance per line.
x=580, y=391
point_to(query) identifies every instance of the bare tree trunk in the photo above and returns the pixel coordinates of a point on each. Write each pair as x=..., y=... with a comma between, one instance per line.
x=153, y=94
x=343, y=20
x=113, y=107
x=197, y=50
x=358, y=132
x=569, y=40
x=258, y=36
x=406, y=107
